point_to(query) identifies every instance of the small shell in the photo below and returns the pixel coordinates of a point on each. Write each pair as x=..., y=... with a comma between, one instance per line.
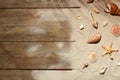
x=79, y=17
x=95, y=38
x=115, y=30
x=81, y=27
x=96, y=10
x=118, y=64
x=107, y=8
x=85, y=65
x=90, y=1
x=92, y=58
x=94, y=22
x=105, y=24
x=103, y=70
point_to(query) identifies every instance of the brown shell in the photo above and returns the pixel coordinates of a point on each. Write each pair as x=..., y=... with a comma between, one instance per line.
x=90, y=1
x=114, y=9
x=94, y=38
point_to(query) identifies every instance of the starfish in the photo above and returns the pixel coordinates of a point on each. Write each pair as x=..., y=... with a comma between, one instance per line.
x=109, y=50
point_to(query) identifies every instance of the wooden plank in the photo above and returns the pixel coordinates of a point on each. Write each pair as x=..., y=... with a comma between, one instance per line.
x=34, y=55
x=37, y=3
x=50, y=31
x=14, y=74
x=38, y=75
x=33, y=25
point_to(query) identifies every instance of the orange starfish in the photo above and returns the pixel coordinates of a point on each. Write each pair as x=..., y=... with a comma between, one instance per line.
x=109, y=50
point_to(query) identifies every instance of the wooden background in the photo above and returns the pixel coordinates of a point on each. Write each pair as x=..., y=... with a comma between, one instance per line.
x=33, y=33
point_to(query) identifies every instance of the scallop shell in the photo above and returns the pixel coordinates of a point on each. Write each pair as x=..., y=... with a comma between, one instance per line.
x=92, y=58
x=115, y=30
x=95, y=38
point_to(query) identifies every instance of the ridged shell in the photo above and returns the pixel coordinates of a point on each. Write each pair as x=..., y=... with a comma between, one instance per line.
x=92, y=58
x=95, y=38
x=115, y=30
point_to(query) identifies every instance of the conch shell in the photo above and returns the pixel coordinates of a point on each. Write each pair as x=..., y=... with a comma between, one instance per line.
x=95, y=38
x=112, y=8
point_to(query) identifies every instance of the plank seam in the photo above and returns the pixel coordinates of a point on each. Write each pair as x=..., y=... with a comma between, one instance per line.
x=39, y=7
x=38, y=41
x=41, y=69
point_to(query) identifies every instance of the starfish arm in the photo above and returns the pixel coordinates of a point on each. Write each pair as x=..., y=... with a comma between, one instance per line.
x=114, y=50
x=104, y=53
x=110, y=56
x=104, y=47
x=111, y=44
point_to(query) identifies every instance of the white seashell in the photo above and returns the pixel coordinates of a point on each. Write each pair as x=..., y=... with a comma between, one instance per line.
x=118, y=64
x=92, y=58
x=105, y=24
x=95, y=38
x=94, y=22
x=96, y=10
x=81, y=27
x=103, y=70
x=79, y=17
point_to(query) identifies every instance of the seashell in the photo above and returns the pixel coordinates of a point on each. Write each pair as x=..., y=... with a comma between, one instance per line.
x=115, y=30
x=79, y=17
x=81, y=27
x=118, y=63
x=94, y=22
x=96, y=10
x=85, y=65
x=112, y=8
x=92, y=58
x=90, y=1
x=105, y=24
x=95, y=38
x=103, y=70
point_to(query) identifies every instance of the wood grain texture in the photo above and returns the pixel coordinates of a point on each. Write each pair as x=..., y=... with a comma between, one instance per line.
x=34, y=55
x=37, y=3
x=29, y=44
x=20, y=75
x=37, y=74
x=33, y=25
